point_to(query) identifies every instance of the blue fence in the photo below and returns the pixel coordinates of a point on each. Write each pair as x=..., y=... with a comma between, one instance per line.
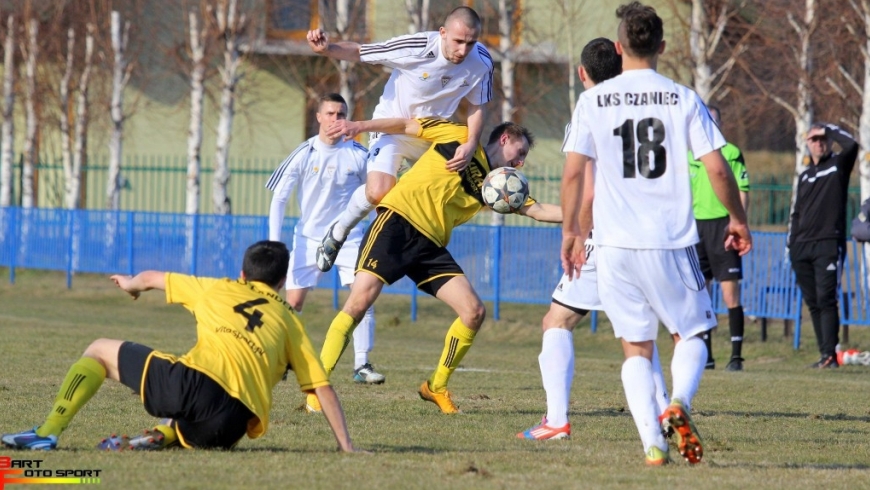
x=504, y=264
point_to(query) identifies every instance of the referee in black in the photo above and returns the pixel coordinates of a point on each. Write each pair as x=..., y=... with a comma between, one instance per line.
x=817, y=232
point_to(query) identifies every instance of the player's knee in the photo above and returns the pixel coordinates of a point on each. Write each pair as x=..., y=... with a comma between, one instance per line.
x=475, y=315
x=98, y=350
x=377, y=186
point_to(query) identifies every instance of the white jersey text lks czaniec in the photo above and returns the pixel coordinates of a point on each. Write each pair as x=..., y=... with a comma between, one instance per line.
x=424, y=83
x=327, y=175
x=638, y=128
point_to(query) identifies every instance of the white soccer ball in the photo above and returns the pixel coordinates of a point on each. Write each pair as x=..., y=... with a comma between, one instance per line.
x=505, y=190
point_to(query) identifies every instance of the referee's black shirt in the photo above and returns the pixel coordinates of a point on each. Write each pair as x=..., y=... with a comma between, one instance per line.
x=820, y=206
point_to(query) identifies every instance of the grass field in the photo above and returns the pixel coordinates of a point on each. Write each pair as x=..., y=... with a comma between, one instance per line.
x=775, y=425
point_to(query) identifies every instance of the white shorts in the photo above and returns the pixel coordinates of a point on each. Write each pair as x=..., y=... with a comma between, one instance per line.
x=303, y=272
x=640, y=287
x=388, y=151
x=581, y=293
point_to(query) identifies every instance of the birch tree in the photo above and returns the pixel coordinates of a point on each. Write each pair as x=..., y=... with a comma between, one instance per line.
x=506, y=54
x=705, y=38
x=30, y=51
x=8, y=142
x=230, y=24
x=197, y=39
x=861, y=34
x=82, y=118
x=120, y=77
x=418, y=15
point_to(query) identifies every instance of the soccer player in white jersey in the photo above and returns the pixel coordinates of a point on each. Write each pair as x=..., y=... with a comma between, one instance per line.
x=572, y=300
x=326, y=170
x=432, y=72
x=636, y=129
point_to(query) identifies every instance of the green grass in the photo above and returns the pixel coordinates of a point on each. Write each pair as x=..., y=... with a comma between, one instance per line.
x=776, y=425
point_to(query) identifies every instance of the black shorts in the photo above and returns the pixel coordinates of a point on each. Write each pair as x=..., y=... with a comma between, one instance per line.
x=716, y=262
x=205, y=415
x=392, y=248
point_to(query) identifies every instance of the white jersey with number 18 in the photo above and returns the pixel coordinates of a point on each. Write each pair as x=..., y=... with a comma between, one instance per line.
x=638, y=128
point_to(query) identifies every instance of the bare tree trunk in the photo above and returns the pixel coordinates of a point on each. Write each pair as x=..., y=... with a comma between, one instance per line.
x=229, y=24
x=507, y=76
x=80, y=133
x=418, y=15
x=30, y=51
x=698, y=46
x=704, y=40
x=194, y=134
x=120, y=77
x=345, y=68
x=70, y=197
x=8, y=141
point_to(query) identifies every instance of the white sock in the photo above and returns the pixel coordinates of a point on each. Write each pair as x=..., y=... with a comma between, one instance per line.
x=637, y=380
x=364, y=338
x=357, y=209
x=690, y=356
x=662, y=398
x=557, y=372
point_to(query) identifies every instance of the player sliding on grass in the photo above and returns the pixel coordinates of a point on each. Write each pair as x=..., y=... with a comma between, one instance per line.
x=410, y=235
x=572, y=300
x=222, y=388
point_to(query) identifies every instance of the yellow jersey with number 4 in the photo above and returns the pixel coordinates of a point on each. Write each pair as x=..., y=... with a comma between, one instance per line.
x=247, y=337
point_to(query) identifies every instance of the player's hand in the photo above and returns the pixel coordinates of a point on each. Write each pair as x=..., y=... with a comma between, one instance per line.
x=461, y=158
x=317, y=40
x=737, y=237
x=573, y=255
x=343, y=127
x=126, y=283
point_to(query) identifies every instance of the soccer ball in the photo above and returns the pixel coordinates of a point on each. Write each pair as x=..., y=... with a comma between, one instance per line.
x=505, y=190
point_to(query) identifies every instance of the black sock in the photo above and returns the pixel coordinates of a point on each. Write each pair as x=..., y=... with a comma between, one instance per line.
x=735, y=324
x=708, y=340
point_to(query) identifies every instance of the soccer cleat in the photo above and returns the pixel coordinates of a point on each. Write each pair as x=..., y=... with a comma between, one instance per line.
x=657, y=457
x=327, y=252
x=688, y=439
x=367, y=374
x=28, y=439
x=160, y=437
x=441, y=399
x=667, y=430
x=735, y=364
x=711, y=364
x=312, y=404
x=544, y=432
x=826, y=362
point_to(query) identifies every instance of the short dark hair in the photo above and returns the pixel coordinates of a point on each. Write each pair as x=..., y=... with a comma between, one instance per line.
x=466, y=15
x=266, y=261
x=640, y=30
x=600, y=60
x=513, y=130
x=331, y=97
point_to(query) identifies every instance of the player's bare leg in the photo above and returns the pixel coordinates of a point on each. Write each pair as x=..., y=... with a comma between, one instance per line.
x=459, y=295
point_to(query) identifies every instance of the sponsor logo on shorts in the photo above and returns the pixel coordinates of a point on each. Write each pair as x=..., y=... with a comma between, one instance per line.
x=734, y=269
x=709, y=314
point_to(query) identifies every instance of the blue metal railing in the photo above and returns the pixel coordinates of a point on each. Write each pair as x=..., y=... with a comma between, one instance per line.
x=504, y=264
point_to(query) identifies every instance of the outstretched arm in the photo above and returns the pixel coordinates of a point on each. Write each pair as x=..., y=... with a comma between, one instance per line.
x=143, y=281
x=350, y=129
x=539, y=211
x=343, y=50
x=335, y=416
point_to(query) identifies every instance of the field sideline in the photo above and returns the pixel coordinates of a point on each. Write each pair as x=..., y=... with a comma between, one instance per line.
x=776, y=425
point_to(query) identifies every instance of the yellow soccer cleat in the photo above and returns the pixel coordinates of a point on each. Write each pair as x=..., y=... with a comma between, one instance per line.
x=312, y=404
x=441, y=399
x=656, y=457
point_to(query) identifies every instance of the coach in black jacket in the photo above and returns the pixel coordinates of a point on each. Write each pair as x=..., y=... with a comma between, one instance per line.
x=817, y=232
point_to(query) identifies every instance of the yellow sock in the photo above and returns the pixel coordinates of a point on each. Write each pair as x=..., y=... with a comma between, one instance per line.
x=456, y=344
x=83, y=380
x=337, y=338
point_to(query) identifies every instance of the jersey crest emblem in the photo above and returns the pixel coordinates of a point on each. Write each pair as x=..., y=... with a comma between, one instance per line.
x=315, y=170
x=445, y=80
x=424, y=76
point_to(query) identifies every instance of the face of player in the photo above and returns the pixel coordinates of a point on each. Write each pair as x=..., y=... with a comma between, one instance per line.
x=457, y=40
x=513, y=151
x=328, y=113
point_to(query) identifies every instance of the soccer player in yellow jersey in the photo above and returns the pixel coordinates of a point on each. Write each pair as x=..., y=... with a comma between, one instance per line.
x=410, y=235
x=247, y=338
